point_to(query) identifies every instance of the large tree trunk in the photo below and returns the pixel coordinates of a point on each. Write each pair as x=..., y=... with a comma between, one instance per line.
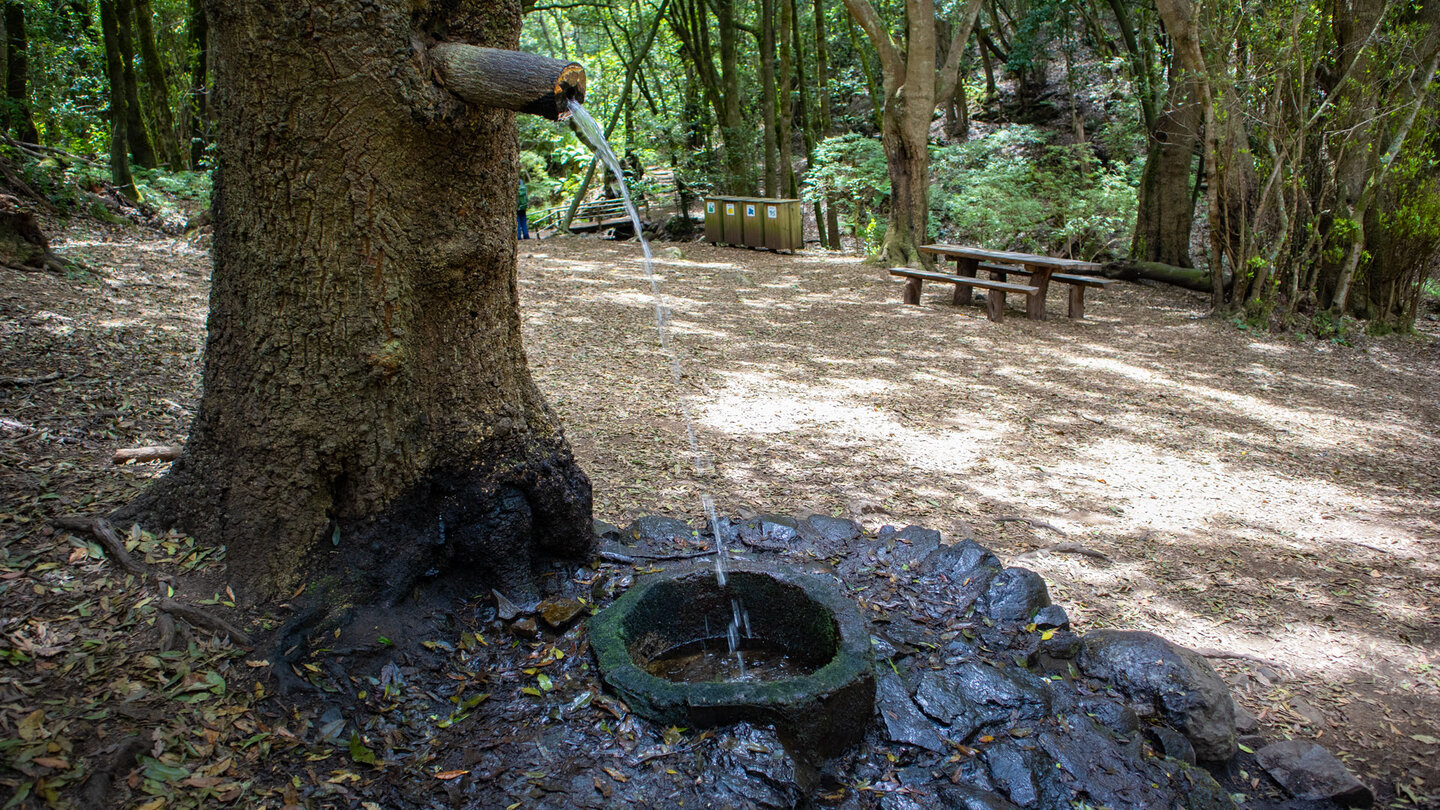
x=115, y=79
x=1166, y=205
x=136, y=136
x=17, y=74
x=367, y=416
x=785, y=108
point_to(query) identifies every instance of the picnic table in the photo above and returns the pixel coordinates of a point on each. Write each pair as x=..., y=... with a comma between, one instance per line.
x=1000, y=264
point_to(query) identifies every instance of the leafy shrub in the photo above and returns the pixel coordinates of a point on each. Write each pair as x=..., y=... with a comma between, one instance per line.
x=1011, y=190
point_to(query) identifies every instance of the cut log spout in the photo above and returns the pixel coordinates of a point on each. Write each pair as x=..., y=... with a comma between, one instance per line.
x=509, y=80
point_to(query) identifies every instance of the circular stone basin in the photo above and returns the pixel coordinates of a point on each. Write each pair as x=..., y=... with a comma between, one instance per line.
x=821, y=703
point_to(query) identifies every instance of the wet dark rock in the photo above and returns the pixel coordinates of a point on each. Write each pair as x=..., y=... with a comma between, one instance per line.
x=1014, y=594
x=560, y=611
x=904, y=723
x=965, y=797
x=1173, y=744
x=974, y=695
x=1052, y=617
x=605, y=531
x=768, y=532
x=525, y=628
x=657, y=530
x=1063, y=645
x=1092, y=765
x=1180, y=684
x=828, y=534
x=960, y=572
x=748, y=765
x=1311, y=773
x=903, y=634
x=908, y=546
x=1010, y=770
x=1110, y=713
x=1245, y=722
x=505, y=610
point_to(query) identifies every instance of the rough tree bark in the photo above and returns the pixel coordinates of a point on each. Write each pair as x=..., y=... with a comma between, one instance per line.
x=136, y=135
x=830, y=231
x=1166, y=205
x=368, y=421
x=17, y=74
x=767, y=95
x=910, y=86
x=115, y=79
x=159, y=90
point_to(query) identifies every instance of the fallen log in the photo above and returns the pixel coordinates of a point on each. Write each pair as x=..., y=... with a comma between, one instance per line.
x=164, y=452
x=1190, y=278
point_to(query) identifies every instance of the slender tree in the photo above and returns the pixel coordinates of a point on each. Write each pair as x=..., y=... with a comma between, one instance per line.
x=911, y=86
x=17, y=74
x=137, y=137
x=115, y=81
x=157, y=86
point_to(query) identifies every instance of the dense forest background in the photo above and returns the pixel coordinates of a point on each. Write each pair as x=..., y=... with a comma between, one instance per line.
x=1283, y=155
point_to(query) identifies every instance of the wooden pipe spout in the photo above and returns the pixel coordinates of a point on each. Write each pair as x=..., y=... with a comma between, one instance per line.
x=510, y=80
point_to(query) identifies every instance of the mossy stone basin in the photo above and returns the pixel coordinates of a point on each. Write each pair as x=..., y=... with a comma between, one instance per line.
x=805, y=617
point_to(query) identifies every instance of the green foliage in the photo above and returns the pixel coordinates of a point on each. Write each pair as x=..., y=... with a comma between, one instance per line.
x=851, y=168
x=1011, y=190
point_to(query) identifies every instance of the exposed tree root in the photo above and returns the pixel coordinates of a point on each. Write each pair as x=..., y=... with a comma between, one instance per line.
x=1065, y=548
x=103, y=532
x=1039, y=524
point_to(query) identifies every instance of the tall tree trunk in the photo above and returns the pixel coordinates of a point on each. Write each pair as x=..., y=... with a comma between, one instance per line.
x=136, y=135
x=17, y=74
x=367, y=419
x=767, y=95
x=199, y=84
x=911, y=89
x=1166, y=208
x=739, y=154
x=166, y=137
x=785, y=109
x=115, y=78
x=830, y=230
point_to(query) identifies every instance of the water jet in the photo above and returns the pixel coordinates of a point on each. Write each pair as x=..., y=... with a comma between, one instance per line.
x=816, y=685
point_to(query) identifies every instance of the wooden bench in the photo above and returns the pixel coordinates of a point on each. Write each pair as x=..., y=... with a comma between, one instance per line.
x=994, y=302
x=1040, y=269
x=1000, y=272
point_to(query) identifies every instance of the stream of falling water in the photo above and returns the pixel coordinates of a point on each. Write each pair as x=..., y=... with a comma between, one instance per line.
x=703, y=464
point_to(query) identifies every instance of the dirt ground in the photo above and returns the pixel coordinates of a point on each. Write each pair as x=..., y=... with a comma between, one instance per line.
x=1270, y=500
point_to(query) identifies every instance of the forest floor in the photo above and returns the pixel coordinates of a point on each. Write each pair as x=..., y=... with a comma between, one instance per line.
x=1272, y=500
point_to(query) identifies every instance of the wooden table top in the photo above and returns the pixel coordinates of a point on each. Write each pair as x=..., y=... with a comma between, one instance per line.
x=1008, y=257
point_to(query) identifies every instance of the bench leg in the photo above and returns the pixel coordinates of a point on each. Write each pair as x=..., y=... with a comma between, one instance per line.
x=999, y=275
x=1077, y=301
x=912, y=291
x=967, y=268
x=995, y=305
x=1035, y=305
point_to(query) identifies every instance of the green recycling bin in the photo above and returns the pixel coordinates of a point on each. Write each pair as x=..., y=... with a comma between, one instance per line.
x=782, y=225
x=732, y=227
x=714, y=219
x=752, y=218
